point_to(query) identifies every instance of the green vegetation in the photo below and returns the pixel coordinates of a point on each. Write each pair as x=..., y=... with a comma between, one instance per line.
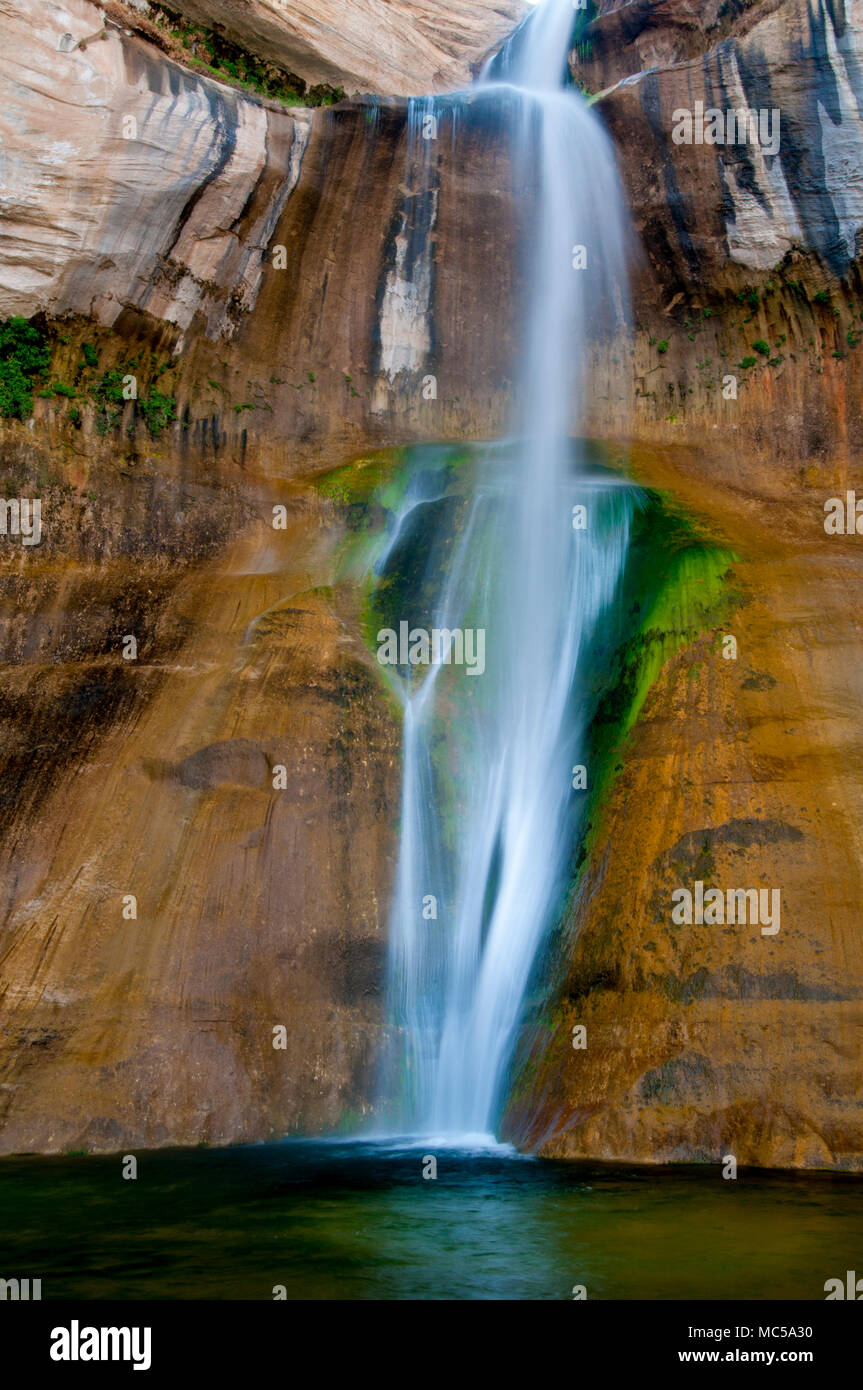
x=821, y=297
x=207, y=51
x=662, y=346
x=581, y=42
x=370, y=491
x=745, y=363
x=158, y=411
x=57, y=388
x=760, y=346
x=155, y=408
x=675, y=592
x=356, y=484
x=24, y=356
x=109, y=398
x=26, y=349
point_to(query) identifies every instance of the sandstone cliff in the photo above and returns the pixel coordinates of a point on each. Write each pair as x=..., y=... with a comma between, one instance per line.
x=401, y=47
x=703, y=1041
x=144, y=204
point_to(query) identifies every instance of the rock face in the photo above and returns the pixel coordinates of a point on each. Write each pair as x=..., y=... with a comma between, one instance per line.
x=197, y=841
x=290, y=278
x=129, y=181
x=749, y=202
x=401, y=47
x=708, y=1040
x=703, y=1040
x=740, y=246
x=223, y=216
x=184, y=221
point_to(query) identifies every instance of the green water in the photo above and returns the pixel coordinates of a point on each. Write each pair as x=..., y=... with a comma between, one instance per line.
x=359, y=1221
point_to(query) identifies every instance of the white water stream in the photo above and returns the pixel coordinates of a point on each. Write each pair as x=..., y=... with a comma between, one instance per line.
x=489, y=814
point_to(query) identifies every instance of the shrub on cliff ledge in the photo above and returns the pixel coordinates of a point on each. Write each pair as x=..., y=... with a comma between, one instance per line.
x=24, y=355
x=112, y=391
x=206, y=50
x=159, y=411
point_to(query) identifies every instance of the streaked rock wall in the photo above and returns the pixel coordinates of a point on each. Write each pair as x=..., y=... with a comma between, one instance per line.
x=398, y=47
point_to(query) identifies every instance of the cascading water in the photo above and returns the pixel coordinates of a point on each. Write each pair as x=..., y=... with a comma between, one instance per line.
x=489, y=814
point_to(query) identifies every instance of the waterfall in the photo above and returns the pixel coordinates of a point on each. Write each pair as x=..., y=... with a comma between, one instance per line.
x=490, y=814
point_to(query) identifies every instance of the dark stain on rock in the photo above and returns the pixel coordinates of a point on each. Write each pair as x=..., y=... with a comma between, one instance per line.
x=682, y=1080
x=759, y=680
x=694, y=851
x=232, y=762
x=736, y=982
x=354, y=969
x=652, y=107
x=56, y=726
